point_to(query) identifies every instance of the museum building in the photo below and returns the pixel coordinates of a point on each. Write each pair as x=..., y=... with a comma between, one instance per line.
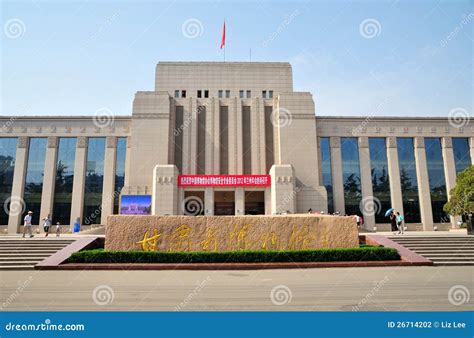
x=229, y=138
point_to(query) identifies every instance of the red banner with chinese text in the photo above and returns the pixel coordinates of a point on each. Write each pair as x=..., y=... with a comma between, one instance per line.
x=224, y=180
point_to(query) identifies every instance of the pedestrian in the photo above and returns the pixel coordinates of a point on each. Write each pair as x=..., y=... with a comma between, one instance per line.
x=357, y=219
x=400, y=225
x=393, y=222
x=27, y=224
x=47, y=221
x=58, y=229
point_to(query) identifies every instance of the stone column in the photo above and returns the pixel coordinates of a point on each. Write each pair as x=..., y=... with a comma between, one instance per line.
x=193, y=126
x=232, y=145
x=187, y=117
x=394, y=175
x=472, y=149
x=423, y=184
x=268, y=201
x=255, y=135
x=239, y=201
x=449, y=171
x=209, y=144
x=217, y=140
x=108, y=190
x=77, y=203
x=337, y=180
x=368, y=205
x=165, y=190
x=262, y=145
x=239, y=160
x=17, y=205
x=283, y=189
x=208, y=201
x=49, y=178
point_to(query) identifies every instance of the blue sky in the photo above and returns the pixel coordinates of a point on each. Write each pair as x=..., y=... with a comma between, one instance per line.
x=73, y=58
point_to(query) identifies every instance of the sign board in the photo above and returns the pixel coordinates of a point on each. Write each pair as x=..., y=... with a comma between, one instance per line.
x=224, y=180
x=135, y=205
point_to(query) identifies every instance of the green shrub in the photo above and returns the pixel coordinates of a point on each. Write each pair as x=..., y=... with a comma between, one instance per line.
x=321, y=255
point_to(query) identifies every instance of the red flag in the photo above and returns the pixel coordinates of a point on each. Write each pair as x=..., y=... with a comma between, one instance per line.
x=223, y=36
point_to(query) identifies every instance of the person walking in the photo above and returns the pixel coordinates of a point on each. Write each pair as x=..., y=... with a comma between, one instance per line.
x=27, y=224
x=400, y=225
x=58, y=229
x=47, y=222
x=393, y=222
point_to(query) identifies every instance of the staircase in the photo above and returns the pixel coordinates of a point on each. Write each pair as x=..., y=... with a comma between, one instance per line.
x=25, y=253
x=442, y=250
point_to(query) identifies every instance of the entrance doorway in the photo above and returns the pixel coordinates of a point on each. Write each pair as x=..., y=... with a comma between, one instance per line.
x=254, y=202
x=224, y=203
x=193, y=203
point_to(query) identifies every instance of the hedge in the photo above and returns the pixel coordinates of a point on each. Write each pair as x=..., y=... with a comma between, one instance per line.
x=321, y=255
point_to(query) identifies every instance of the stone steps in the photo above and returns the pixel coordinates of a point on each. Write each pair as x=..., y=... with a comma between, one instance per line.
x=442, y=250
x=25, y=253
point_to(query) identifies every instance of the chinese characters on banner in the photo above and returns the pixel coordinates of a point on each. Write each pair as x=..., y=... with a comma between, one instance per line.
x=224, y=180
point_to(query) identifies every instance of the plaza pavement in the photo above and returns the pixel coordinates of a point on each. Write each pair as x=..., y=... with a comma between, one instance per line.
x=324, y=289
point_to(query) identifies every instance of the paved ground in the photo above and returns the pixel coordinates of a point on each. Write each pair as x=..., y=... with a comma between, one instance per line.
x=394, y=288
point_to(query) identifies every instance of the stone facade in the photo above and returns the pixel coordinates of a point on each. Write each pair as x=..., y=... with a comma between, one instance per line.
x=215, y=118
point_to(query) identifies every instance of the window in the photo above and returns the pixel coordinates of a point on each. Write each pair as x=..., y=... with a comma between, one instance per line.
x=270, y=94
x=7, y=167
x=380, y=181
x=94, y=181
x=227, y=94
x=264, y=94
x=119, y=171
x=462, y=156
x=64, y=180
x=325, y=152
x=183, y=93
x=220, y=94
x=434, y=162
x=249, y=94
x=176, y=93
x=241, y=94
x=206, y=94
x=34, y=177
x=408, y=180
x=199, y=94
x=351, y=175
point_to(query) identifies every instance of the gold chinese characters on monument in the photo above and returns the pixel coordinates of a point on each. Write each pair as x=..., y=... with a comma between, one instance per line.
x=224, y=233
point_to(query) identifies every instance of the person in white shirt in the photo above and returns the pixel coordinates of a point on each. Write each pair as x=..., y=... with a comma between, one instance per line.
x=27, y=224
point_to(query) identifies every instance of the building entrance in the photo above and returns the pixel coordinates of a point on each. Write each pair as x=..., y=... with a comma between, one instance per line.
x=193, y=204
x=224, y=203
x=254, y=202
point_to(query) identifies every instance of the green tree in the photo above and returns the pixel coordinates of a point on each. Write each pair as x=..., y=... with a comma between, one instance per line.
x=461, y=201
